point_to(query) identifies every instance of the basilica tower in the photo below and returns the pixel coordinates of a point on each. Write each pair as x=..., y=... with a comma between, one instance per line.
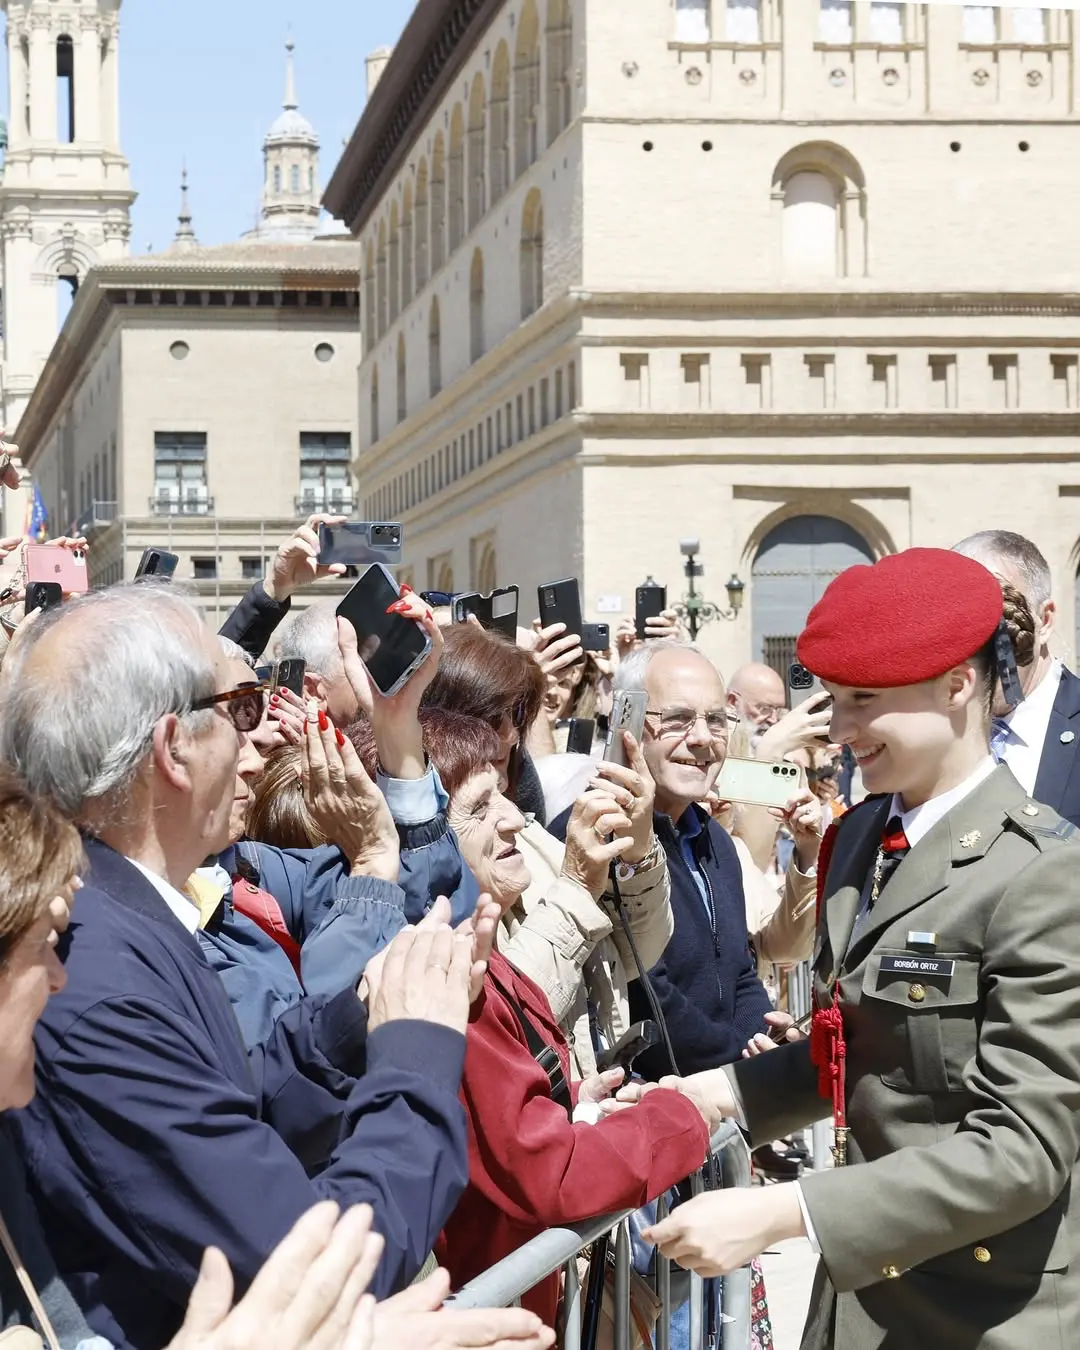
x=291, y=193
x=65, y=194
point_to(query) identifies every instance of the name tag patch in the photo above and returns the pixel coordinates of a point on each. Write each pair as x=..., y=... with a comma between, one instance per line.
x=918, y=965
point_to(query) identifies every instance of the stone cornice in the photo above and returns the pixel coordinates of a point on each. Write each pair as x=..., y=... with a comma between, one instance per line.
x=435, y=45
x=852, y=301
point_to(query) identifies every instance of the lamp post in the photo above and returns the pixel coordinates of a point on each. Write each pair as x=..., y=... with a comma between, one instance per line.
x=694, y=608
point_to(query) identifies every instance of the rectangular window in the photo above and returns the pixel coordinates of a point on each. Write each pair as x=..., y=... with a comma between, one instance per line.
x=757, y=375
x=635, y=369
x=204, y=569
x=822, y=373
x=571, y=386
x=695, y=380
x=1006, y=375
x=1066, y=369
x=883, y=380
x=180, y=486
x=1029, y=26
x=943, y=385
x=691, y=20
x=252, y=569
x=743, y=21
x=835, y=23
x=520, y=418
x=325, y=480
x=887, y=22
x=472, y=451
x=532, y=410
x=980, y=24
x=544, y=402
x=558, y=394
x=490, y=439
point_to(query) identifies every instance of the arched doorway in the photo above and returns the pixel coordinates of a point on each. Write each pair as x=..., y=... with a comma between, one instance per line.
x=796, y=561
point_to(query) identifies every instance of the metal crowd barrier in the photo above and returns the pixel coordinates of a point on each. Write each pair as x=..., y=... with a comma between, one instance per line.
x=505, y=1282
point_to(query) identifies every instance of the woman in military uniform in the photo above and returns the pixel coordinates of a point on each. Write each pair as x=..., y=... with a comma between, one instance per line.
x=947, y=984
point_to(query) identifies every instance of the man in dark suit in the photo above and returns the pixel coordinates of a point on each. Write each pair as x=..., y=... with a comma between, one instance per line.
x=1040, y=739
x=155, y=1133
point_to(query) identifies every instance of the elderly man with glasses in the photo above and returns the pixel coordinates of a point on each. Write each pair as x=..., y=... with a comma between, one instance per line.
x=155, y=1132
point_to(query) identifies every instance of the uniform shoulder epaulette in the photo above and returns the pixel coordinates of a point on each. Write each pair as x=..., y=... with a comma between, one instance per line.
x=1042, y=831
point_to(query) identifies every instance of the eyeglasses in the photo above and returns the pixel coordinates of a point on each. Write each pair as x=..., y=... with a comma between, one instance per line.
x=678, y=722
x=244, y=707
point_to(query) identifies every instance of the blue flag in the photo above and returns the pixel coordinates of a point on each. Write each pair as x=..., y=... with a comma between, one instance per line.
x=37, y=518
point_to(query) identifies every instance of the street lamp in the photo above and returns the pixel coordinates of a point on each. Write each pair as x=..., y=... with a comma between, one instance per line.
x=694, y=608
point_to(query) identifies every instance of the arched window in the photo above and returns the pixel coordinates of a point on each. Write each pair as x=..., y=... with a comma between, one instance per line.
x=402, y=383
x=444, y=580
x=434, y=349
x=499, y=124
x=370, y=319
x=406, y=246
x=526, y=89
x=532, y=254
x=394, y=279
x=819, y=195
x=559, y=57
x=374, y=404
x=295, y=177
x=423, y=226
x=277, y=177
x=438, y=205
x=457, y=178
x=486, y=571
x=476, y=307
x=475, y=153
x=381, y=295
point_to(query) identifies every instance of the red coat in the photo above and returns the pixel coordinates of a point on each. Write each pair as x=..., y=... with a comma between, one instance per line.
x=530, y=1168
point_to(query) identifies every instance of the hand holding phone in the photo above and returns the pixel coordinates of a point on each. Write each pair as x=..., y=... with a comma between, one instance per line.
x=759, y=782
x=497, y=612
x=357, y=543
x=157, y=563
x=55, y=562
x=627, y=714
x=391, y=647
x=42, y=595
x=650, y=601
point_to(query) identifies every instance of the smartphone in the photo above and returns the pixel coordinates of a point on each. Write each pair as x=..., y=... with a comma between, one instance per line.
x=650, y=601
x=497, y=612
x=560, y=602
x=157, y=563
x=359, y=542
x=289, y=674
x=65, y=565
x=759, y=782
x=802, y=684
x=392, y=648
x=43, y=595
x=595, y=637
x=580, y=736
x=627, y=714
x=779, y=1034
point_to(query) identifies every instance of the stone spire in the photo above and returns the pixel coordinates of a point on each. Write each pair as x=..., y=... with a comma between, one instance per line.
x=185, y=239
x=290, y=104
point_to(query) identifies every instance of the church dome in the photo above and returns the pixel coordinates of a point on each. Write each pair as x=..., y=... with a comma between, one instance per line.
x=292, y=125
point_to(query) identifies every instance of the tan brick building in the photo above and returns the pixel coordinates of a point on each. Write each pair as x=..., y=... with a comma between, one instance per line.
x=797, y=279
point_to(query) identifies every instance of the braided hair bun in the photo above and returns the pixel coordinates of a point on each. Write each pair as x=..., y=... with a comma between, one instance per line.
x=1020, y=624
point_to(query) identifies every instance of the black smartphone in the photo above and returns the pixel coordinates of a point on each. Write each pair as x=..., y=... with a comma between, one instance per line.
x=497, y=612
x=636, y=1041
x=157, y=563
x=802, y=684
x=43, y=595
x=650, y=601
x=358, y=542
x=779, y=1034
x=392, y=648
x=560, y=602
x=595, y=637
x=580, y=736
x=289, y=674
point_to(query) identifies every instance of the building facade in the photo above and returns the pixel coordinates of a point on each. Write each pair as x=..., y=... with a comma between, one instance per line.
x=202, y=400
x=794, y=279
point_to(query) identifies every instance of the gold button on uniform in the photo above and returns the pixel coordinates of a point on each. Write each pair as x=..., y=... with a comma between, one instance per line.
x=891, y=1273
x=916, y=993
x=981, y=1254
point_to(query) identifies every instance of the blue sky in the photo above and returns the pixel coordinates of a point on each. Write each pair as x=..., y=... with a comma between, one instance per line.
x=204, y=80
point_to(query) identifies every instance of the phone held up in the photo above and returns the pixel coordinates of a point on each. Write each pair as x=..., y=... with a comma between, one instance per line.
x=759, y=782
x=650, y=601
x=393, y=648
x=627, y=714
x=560, y=602
x=581, y=732
x=287, y=674
x=355, y=543
x=67, y=566
x=43, y=595
x=158, y=564
x=497, y=612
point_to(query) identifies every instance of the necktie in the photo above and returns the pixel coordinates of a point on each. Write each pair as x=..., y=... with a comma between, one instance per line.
x=1000, y=734
x=894, y=849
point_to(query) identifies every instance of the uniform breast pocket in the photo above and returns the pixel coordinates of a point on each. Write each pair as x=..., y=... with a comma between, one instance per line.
x=921, y=1015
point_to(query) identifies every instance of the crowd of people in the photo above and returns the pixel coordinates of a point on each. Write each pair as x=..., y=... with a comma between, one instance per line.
x=311, y=998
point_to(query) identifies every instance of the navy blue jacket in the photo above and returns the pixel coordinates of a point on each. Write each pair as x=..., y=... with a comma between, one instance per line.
x=154, y=1133
x=706, y=982
x=252, y=623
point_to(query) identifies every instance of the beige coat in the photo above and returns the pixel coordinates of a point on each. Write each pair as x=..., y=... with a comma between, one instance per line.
x=780, y=921
x=575, y=949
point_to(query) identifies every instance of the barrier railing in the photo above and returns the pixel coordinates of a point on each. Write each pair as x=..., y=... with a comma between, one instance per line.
x=504, y=1283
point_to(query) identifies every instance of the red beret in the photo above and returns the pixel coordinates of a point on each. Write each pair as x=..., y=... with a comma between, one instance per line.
x=908, y=618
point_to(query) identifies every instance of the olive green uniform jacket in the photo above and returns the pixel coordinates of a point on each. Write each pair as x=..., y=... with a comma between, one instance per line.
x=954, y=1225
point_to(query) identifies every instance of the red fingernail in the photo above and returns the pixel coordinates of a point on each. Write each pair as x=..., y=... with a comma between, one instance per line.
x=405, y=588
x=340, y=737
x=324, y=721
x=273, y=700
x=398, y=607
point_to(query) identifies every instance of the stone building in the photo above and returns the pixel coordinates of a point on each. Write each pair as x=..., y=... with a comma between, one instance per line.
x=798, y=280
x=203, y=399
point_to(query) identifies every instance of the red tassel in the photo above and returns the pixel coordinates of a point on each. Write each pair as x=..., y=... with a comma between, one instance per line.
x=828, y=1052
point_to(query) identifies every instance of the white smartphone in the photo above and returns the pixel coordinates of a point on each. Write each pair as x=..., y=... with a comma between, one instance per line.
x=759, y=782
x=627, y=714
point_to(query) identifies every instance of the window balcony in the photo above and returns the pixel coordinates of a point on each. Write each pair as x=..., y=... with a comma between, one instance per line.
x=333, y=503
x=165, y=505
x=99, y=516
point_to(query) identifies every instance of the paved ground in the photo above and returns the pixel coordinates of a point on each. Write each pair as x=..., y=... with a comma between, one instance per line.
x=789, y=1273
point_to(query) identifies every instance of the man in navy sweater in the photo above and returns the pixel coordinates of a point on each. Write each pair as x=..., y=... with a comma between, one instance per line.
x=706, y=982
x=154, y=1132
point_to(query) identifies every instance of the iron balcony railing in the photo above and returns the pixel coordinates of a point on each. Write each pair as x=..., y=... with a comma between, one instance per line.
x=163, y=505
